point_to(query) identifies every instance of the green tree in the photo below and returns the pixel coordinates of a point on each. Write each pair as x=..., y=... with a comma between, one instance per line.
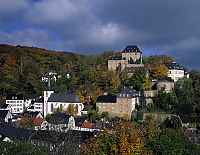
x=125, y=139
x=195, y=76
x=137, y=80
x=184, y=91
x=166, y=101
x=62, y=84
x=26, y=122
x=92, y=114
x=21, y=148
x=171, y=141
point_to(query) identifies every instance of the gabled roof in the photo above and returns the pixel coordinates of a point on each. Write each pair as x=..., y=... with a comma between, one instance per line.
x=14, y=97
x=116, y=58
x=31, y=114
x=87, y=107
x=167, y=80
x=70, y=137
x=80, y=120
x=66, y=98
x=59, y=118
x=39, y=100
x=128, y=92
x=4, y=106
x=3, y=114
x=176, y=66
x=107, y=99
x=15, y=133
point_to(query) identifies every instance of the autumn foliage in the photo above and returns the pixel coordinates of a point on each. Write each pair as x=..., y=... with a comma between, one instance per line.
x=125, y=139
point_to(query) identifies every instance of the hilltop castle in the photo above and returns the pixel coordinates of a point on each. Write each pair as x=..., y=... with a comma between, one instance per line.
x=131, y=57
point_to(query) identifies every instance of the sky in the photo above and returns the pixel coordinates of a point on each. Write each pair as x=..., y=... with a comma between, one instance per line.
x=93, y=26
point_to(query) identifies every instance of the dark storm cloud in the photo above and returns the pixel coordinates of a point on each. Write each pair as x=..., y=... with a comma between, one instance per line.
x=170, y=26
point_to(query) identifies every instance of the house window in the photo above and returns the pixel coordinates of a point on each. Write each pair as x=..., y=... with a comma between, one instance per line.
x=51, y=107
x=61, y=107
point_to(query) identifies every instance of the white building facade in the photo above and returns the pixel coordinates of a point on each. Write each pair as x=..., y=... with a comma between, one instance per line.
x=176, y=72
x=53, y=102
x=16, y=103
x=5, y=116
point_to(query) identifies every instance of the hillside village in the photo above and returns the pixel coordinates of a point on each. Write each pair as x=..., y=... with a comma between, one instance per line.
x=68, y=100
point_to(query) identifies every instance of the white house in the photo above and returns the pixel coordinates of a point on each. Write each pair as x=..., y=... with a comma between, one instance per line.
x=5, y=107
x=37, y=105
x=176, y=72
x=50, y=75
x=27, y=102
x=53, y=101
x=5, y=116
x=165, y=85
x=16, y=102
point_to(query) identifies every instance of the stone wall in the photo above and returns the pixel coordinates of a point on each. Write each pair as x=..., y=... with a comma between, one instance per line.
x=113, y=64
x=122, y=108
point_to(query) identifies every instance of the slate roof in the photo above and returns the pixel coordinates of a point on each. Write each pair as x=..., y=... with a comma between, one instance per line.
x=66, y=98
x=116, y=58
x=31, y=114
x=81, y=136
x=4, y=106
x=80, y=120
x=48, y=136
x=128, y=92
x=175, y=65
x=131, y=48
x=59, y=118
x=14, y=97
x=71, y=136
x=167, y=80
x=87, y=107
x=3, y=114
x=15, y=133
x=107, y=99
x=39, y=100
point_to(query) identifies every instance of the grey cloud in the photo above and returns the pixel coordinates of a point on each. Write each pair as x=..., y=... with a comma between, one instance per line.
x=28, y=37
x=9, y=6
x=170, y=26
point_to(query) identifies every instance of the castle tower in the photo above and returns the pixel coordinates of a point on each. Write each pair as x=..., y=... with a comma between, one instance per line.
x=132, y=54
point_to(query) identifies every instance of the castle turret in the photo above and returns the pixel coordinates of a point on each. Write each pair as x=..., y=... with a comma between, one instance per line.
x=132, y=54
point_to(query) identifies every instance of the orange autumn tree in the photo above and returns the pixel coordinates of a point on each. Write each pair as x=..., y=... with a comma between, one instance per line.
x=125, y=139
x=131, y=139
x=26, y=122
x=160, y=71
